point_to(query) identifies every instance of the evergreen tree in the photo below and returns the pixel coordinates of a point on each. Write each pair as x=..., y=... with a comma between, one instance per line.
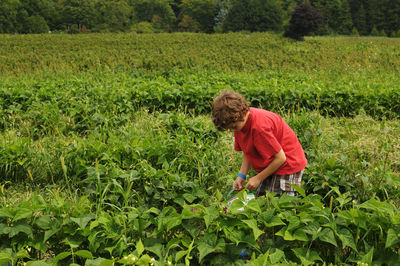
x=346, y=23
x=359, y=19
x=305, y=19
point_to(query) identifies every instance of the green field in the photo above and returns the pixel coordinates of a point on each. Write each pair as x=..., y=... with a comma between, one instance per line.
x=108, y=154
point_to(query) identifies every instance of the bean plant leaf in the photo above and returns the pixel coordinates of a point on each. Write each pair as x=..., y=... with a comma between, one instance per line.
x=84, y=219
x=347, y=239
x=61, y=256
x=299, y=234
x=253, y=205
x=5, y=213
x=277, y=256
x=211, y=214
x=99, y=262
x=154, y=245
x=307, y=256
x=37, y=263
x=269, y=219
x=300, y=190
x=392, y=238
x=5, y=258
x=139, y=247
x=44, y=222
x=22, y=213
x=367, y=258
x=253, y=225
x=86, y=254
x=328, y=236
x=209, y=244
x=21, y=228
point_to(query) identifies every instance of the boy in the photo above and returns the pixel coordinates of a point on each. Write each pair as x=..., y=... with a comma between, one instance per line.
x=268, y=144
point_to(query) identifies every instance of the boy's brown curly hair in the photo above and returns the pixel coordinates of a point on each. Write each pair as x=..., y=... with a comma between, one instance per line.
x=228, y=107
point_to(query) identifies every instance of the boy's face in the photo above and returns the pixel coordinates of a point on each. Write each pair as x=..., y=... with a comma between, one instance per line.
x=237, y=126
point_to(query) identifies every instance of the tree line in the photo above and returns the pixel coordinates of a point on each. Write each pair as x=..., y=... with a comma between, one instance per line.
x=347, y=17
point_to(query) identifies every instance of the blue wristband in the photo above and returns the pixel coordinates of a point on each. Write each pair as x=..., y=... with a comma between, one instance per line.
x=242, y=176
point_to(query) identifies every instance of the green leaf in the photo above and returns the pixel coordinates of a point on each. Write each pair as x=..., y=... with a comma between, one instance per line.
x=61, y=256
x=5, y=258
x=301, y=190
x=253, y=225
x=44, y=222
x=212, y=214
x=86, y=254
x=83, y=220
x=312, y=229
x=367, y=258
x=154, y=245
x=253, y=205
x=180, y=254
x=172, y=222
x=299, y=234
x=37, y=263
x=347, y=239
x=49, y=233
x=4, y=229
x=392, y=238
x=22, y=213
x=307, y=256
x=209, y=244
x=5, y=213
x=99, y=262
x=276, y=256
x=270, y=219
x=128, y=260
x=22, y=254
x=21, y=228
x=236, y=206
x=328, y=236
x=139, y=247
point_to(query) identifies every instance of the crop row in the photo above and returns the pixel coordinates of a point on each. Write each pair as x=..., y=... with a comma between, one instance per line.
x=294, y=230
x=60, y=53
x=88, y=100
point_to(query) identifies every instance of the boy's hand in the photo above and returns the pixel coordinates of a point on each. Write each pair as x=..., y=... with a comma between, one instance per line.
x=253, y=183
x=238, y=184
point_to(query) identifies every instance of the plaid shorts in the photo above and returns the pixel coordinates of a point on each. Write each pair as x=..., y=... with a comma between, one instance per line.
x=280, y=184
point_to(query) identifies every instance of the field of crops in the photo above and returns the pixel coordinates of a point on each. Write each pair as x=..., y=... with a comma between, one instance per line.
x=108, y=155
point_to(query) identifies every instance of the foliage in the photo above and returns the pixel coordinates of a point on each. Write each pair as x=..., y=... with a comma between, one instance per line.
x=199, y=15
x=305, y=19
x=253, y=15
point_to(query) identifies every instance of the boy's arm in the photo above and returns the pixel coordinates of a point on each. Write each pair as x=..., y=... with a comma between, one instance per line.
x=255, y=181
x=239, y=182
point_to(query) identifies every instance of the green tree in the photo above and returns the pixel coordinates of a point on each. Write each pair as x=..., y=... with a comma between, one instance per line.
x=114, y=15
x=254, y=15
x=305, y=19
x=145, y=10
x=36, y=24
x=359, y=17
x=8, y=15
x=344, y=18
x=200, y=11
x=79, y=13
